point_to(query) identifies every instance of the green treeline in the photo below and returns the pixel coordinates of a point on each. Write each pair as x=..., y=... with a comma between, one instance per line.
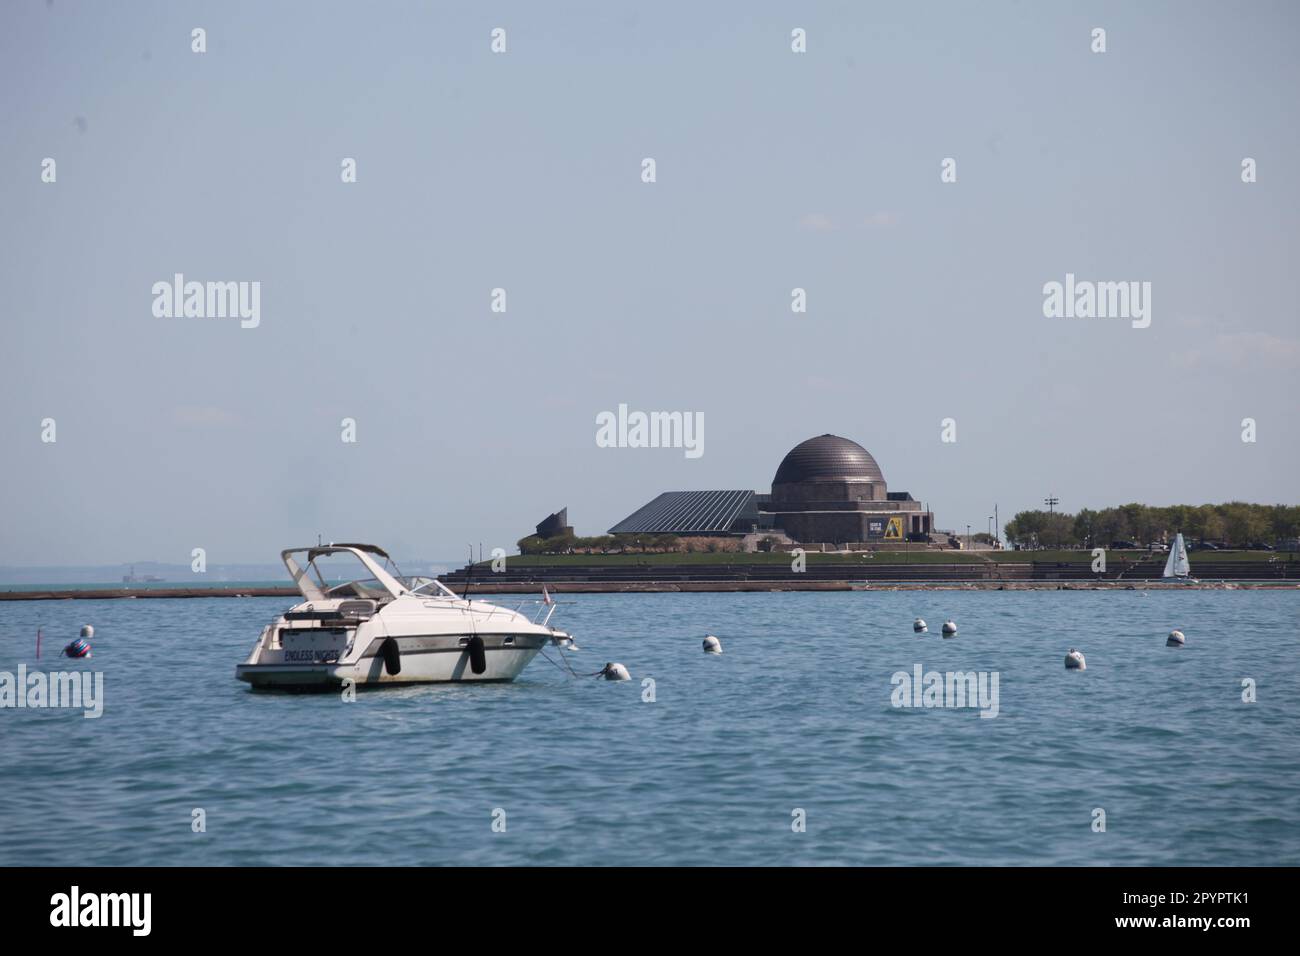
x=1235, y=524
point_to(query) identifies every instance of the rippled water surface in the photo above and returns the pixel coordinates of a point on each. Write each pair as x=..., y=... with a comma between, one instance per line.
x=795, y=714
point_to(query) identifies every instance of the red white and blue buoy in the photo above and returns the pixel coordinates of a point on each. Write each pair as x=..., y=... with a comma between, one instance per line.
x=78, y=648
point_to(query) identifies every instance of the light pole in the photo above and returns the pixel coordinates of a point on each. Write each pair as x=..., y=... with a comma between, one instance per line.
x=990, y=531
x=1051, y=503
x=968, y=537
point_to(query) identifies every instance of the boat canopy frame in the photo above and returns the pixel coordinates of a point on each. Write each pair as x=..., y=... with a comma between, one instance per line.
x=314, y=591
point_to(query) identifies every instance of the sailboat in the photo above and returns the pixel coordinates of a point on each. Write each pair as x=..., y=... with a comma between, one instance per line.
x=1177, y=566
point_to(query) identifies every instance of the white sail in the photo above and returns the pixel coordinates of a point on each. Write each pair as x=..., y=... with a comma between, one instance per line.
x=1177, y=566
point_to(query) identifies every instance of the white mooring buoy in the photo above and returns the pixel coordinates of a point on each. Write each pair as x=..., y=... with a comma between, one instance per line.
x=1074, y=661
x=919, y=625
x=615, y=671
x=1176, y=639
x=87, y=631
x=949, y=629
x=712, y=645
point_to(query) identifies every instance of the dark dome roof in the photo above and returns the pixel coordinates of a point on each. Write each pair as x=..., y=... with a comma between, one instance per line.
x=828, y=458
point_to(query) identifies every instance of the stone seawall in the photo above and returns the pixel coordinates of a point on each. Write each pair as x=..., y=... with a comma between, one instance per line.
x=819, y=576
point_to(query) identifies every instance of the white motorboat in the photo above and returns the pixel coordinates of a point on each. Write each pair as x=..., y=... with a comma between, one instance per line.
x=387, y=629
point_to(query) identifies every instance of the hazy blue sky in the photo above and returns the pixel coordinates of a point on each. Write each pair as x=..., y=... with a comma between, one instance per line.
x=522, y=171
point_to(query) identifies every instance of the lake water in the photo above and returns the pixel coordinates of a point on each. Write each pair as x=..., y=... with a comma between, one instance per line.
x=796, y=714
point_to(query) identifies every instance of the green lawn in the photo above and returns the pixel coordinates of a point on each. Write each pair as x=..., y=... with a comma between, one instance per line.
x=1195, y=556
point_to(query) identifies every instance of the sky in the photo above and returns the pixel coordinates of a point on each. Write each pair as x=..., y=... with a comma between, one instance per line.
x=523, y=171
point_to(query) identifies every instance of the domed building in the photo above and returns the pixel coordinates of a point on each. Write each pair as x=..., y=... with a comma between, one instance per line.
x=827, y=490
x=828, y=468
x=830, y=490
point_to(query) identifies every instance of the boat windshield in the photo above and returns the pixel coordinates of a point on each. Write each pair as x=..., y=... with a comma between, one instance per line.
x=336, y=573
x=428, y=587
x=369, y=589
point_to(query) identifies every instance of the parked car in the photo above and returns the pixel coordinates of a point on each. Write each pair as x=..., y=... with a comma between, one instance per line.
x=1158, y=547
x=1259, y=546
x=1122, y=544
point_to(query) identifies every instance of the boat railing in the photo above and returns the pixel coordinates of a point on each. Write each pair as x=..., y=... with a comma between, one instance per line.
x=545, y=608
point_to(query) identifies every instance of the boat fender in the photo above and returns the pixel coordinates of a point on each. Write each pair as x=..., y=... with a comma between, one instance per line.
x=477, y=654
x=392, y=655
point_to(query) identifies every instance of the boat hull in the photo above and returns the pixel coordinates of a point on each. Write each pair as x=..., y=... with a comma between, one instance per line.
x=423, y=660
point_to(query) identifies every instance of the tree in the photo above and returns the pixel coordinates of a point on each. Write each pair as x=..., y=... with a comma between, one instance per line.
x=1085, y=527
x=1026, y=529
x=1211, y=523
x=530, y=545
x=1243, y=524
x=1112, y=525
x=1285, y=521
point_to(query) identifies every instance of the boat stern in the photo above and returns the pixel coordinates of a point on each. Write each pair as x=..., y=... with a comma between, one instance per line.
x=293, y=676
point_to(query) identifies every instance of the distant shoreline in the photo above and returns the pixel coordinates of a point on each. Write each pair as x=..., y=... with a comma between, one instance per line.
x=669, y=587
x=100, y=594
